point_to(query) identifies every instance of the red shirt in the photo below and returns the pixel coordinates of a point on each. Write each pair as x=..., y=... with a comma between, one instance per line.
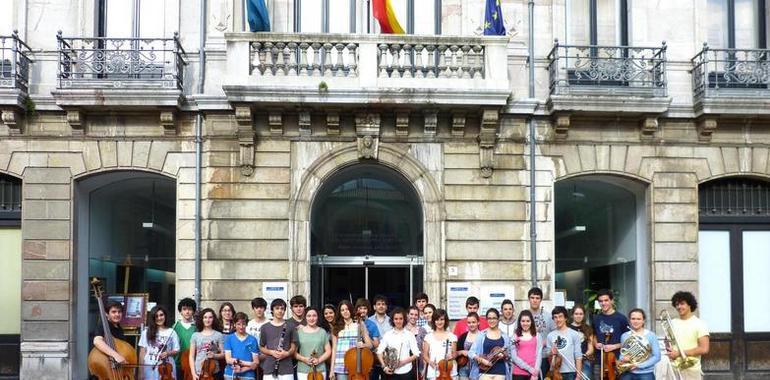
x=462, y=326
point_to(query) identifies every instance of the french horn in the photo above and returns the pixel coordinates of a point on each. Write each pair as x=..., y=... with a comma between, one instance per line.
x=637, y=349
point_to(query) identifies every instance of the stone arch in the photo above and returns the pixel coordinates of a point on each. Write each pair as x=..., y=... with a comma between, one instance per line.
x=395, y=157
x=753, y=175
x=611, y=173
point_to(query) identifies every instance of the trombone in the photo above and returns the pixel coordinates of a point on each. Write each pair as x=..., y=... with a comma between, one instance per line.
x=683, y=361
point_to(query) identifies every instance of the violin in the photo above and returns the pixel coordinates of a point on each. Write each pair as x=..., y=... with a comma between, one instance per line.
x=314, y=374
x=101, y=365
x=554, y=372
x=609, y=361
x=493, y=356
x=165, y=370
x=185, y=363
x=359, y=361
x=445, y=365
x=208, y=368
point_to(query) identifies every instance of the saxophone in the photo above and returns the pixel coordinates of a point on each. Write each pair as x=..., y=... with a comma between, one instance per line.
x=637, y=349
x=683, y=361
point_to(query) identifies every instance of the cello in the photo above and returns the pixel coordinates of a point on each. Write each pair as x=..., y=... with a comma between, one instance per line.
x=102, y=365
x=445, y=365
x=359, y=361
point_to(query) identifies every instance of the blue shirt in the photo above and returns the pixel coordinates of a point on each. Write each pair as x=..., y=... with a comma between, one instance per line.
x=647, y=366
x=241, y=349
x=615, y=323
x=372, y=329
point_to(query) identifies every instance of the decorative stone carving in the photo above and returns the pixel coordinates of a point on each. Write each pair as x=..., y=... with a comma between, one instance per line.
x=368, y=147
x=458, y=124
x=304, y=123
x=561, y=127
x=402, y=123
x=11, y=120
x=76, y=120
x=246, y=137
x=368, y=124
x=332, y=122
x=168, y=122
x=706, y=128
x=648, y=126
x=487, y=141
x=431, y=122
x=275, y=121
x=220, y=15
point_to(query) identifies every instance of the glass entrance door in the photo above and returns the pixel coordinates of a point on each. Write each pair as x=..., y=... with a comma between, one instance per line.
x=333, y=280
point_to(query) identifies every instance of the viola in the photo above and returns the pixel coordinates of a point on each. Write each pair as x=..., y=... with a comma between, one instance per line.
x=444, y=365
x=101, y=365
x=359, y=361
x=554, y=373
x=461, y=360
x=609, y=361
x=208, y=368
x=166, y=370
x=314, y=374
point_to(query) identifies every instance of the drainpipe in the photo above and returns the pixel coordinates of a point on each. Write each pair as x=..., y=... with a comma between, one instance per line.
x=532, y=144
x=198, y=151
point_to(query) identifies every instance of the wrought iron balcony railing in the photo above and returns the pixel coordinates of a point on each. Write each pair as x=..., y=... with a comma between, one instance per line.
x=277, y=67
x=14, y=62
x=135, y=63
x=731, y=73
x=607, y=70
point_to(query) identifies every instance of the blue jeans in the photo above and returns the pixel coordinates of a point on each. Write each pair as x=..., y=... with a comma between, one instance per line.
x=638, y=376
x=568, y=375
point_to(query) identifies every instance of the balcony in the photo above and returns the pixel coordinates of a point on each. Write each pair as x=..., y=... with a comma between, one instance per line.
x=120, y=72
x=275, y=68
x=14, y=71
x=608, y=79
x=731, y=82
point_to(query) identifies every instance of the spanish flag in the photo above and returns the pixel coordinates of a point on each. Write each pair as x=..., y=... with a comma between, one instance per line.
x=383, y=12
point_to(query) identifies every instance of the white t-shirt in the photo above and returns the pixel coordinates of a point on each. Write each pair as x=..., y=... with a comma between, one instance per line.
x=438, y=351
x=253, y=327
x=688, y=331
x=405, y=344
x=166, y=340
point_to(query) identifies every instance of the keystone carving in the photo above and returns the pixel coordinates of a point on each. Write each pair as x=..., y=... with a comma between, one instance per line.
x=368, y=147
x=246, y=137
x=561, y=127
x=368, y=124
x=487, y=141
x=706, y=128
x=168, y=122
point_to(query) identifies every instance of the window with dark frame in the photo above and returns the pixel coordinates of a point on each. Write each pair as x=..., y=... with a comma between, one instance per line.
x=10, y=201
x=597, y=22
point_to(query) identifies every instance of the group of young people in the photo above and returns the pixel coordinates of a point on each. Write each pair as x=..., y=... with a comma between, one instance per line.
x=408, y=343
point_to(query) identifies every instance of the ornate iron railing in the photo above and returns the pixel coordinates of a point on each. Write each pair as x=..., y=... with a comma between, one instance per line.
x=101, y=62
x=593, y=69
x=731, y=72
x=14, y=62
x=734, y=197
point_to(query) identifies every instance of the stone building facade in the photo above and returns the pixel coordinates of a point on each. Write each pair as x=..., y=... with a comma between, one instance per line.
x=650, y=158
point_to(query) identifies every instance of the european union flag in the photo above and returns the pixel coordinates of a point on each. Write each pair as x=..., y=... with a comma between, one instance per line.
x=493, y=19
x=259, y=21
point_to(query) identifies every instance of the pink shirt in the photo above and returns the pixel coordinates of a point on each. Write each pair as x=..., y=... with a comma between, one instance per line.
x=527, y=351
x=462, y=326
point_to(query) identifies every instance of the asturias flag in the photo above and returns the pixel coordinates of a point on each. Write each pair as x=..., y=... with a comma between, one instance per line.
x=259, y=21
x=493, y=19
x=383, y=12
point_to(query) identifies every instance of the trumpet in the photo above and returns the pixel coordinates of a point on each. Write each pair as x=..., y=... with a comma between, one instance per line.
x=683, y=361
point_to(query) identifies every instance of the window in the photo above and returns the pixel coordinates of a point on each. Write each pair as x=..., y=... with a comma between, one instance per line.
x=6, y=20
x=10, y=200
x=597, y=22
x=132, y=19
x=740, y=24
x=351, y=16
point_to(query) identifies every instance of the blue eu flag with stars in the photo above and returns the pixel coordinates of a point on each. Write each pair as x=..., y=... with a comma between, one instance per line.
x=493, y=19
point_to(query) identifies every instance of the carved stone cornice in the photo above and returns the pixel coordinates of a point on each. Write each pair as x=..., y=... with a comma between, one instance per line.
x=333, y=122
x=402, y=123
x=648, y=127
x=304, y=123
x=275, y=121
x=561, y=124
x=168, y=122
x=458, y=124
x=490, y=125
x=431, y=122
x=246, y=139
x=76, y=121
x=706, y=127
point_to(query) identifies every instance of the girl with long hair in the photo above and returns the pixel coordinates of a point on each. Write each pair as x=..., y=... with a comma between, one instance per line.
x=226, y=314
x=312, y=339
x=464, y=343
x=486, y=341
x=439, y=344
x=345, y=335
x=526, y=352
x=588, y=338
x=158, y=343
x=206, y=343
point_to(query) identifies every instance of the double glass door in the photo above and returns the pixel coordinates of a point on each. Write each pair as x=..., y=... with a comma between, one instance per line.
x=348, y=278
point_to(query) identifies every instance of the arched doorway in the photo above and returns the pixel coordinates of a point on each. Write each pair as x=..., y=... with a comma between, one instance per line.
x=366, y=237
x=601, y=240
x=125, y=228
x=733, y=259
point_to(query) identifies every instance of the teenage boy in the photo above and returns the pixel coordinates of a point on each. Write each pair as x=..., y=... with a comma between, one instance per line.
x=380, y=316
x=258, y=307
x=269, y=337
x=298, y=305
x=609, y=325
x=565, y=342
x=691, y=334
x=543, y=323
x=184, y=329
x=362, y=311
x=471, y=306
x=507, y=319
x=114, y=313
x=421, y=300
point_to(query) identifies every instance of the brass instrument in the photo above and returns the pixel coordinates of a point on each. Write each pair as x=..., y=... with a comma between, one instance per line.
x=391, y=358
x=637, y=349
x=683, y=361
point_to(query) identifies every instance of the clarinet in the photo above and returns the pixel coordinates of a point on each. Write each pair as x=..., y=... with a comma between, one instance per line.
x=280, y=347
